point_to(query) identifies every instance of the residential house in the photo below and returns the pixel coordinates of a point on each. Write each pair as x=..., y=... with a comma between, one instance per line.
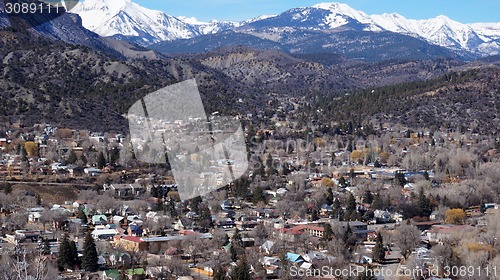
x=135, y=229
x=294, y=258
x=136, y=273
x=125, y=190
x=91, y=171
x=99, y=220
x=111, y=274
x=312, y=230
x=439, y=233
x=272, y=266
x=359, y=229
x=382, y=216
x=248, y=242
x=34, y=214
x=424, y=225
x=104, y=233
x=130, y=243
x=183, y=224
x=27, y=235
x=268, y=247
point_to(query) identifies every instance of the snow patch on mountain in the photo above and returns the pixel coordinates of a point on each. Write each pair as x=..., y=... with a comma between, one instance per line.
x=340, y=11
x=126, y=18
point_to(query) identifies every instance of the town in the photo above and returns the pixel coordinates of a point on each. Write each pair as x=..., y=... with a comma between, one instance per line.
x=389, y=204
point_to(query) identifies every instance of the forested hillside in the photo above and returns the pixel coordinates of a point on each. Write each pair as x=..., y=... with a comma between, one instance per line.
x=468, y=99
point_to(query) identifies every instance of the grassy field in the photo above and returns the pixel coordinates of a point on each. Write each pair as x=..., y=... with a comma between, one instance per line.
x=50, y=194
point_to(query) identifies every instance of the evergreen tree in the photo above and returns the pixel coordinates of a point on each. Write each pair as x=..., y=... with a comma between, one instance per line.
x=258, y=195
x=38, y=199
x=426, y=176
x=482, y=208
x=205, y=217
x=352, y=173
x=64, y=254
x=75, y=261
x=314, y=215
x=114, y=155
x=219, y=273
x=399, y=179
x=329, y=196
x=154, y=191
x=342, y=182
x=233, y=252
x=368, y=197
x=159, y=206
x=378, y=253
x=250, y=139
x=271, y=170
x=338, y=212
x=424, y=205
x=328, y=233
x=101, y=161
x=90, y=257
x=351, y=204
x=239, y=188
x=347, y=236
x=242, y=271
x=226, y=240
x=81, y=215
x=46, y=247
x=260, y=170
x=68, y=255
x=350, y=147
x=285, y=170
x=7, y=188
x=237, y=239
x=72, y=158
x=23, y=154
x=195, y=204
x=378, y=203
x=83, y=158
x=171, y=208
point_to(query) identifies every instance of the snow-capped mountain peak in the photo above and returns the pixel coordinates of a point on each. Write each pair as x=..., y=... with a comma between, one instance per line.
x=211, y=27
x=113, y=6
x=343, y=9
x=441, y=30
x=128, y=19
x=340, y=13
x=135, y=23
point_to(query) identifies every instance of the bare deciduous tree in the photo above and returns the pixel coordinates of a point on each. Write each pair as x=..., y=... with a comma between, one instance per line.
x=408, y=238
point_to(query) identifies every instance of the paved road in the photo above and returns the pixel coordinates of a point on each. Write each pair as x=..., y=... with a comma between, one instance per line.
x=50, y=183
x=392, y=265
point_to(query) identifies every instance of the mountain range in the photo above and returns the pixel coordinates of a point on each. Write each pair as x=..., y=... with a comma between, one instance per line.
x=62, y=73
x=126, y=20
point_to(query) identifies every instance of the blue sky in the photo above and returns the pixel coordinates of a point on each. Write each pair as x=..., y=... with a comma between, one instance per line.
x=466, y=11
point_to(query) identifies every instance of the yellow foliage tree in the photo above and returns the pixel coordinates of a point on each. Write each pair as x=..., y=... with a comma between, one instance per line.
x=476, y=247
x=64, y=133
x=455, y=216
x=384, y=156
x=327, y=182
x=357, y=155
x=31, y=148
x=320, y=142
